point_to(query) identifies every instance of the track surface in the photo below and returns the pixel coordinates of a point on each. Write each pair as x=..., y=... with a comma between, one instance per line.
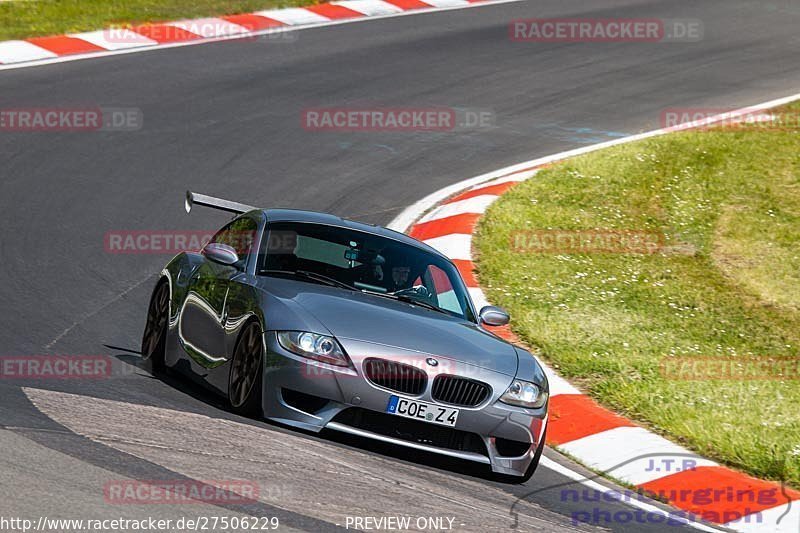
x=224, y=119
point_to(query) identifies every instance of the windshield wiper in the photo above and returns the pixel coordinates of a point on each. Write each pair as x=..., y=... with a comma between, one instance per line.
x=325, y=279
x=409, y=300
x=313, y=276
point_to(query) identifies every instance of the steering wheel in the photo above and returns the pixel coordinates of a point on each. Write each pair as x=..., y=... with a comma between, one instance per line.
x=420, y=292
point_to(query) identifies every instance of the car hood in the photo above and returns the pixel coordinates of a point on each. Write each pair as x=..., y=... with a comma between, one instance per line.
x=393, y=324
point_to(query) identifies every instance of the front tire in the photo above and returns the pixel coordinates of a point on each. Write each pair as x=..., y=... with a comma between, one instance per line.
x=154, y=339
x=536, y=456
x=245, y=380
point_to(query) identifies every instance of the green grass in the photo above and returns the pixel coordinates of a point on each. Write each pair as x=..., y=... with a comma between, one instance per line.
x=29, y=18
x=728, y=200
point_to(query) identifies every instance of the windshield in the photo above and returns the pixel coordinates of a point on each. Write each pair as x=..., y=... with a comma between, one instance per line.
x=361, y=261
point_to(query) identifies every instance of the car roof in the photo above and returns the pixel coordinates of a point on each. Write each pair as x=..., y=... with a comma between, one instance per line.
x=298, y=215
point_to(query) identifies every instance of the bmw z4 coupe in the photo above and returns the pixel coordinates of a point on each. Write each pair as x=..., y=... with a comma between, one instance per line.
x=314, y=321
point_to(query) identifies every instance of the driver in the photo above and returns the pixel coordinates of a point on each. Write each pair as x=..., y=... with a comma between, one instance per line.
x=400, y=277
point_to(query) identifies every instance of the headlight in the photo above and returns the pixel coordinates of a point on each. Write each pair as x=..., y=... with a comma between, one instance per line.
x=314, y=346
x=524, y=394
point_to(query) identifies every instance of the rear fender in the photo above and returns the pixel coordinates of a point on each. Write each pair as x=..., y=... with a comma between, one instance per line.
x=177, y=273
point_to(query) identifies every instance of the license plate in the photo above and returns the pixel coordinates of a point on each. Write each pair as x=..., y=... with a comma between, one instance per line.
x=427, y=412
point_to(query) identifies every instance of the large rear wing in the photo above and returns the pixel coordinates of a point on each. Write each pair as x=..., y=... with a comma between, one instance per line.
x=193, y=198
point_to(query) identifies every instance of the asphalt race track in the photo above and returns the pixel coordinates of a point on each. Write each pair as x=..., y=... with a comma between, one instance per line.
x=225, y=119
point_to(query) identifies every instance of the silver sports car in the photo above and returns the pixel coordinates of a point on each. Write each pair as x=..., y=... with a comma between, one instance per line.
x=318, y=322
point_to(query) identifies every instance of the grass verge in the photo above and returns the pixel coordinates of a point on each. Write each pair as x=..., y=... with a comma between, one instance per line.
x=719, y=284
x=31, y=18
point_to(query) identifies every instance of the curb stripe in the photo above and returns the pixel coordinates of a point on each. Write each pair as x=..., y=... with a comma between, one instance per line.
x=334, y=11
x=292, y=16
x=13, y=51
x=463, y=223
x=408, y=4
x=63, y=45
x=474, y=205
x=164, y=33
x=120, y=40
x=574, y=416
x=634, y=455
x=371, y=8
x=454, y=246
x=736, y=494
x=497, y=189
x=253, y=22
x=209, y=27
x=447, y=3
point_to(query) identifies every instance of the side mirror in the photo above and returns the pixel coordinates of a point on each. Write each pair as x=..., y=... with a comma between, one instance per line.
x=221, y=253
x=493, y=316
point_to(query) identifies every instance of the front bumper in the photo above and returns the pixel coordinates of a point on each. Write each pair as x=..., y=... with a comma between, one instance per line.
x=309, y=395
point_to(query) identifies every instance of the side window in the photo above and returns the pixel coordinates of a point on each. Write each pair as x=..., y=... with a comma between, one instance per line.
x=438, y=284
x=240, y=235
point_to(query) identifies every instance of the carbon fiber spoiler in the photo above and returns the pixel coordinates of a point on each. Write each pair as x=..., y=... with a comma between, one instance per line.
x=193, y=198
